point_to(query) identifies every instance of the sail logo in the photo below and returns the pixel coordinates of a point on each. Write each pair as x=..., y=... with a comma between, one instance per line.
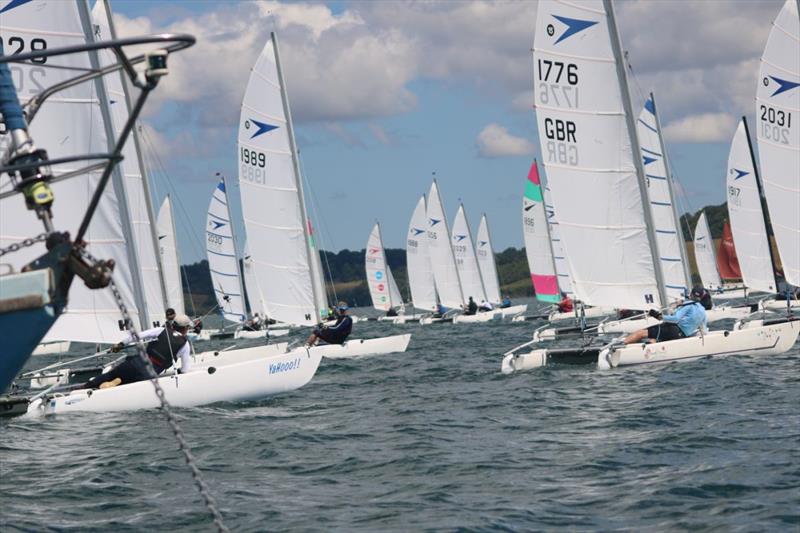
x=783, y=85
x=528, y=206
x=648, y=160
x=459, y=238
x=215, y=225
x=417, y=231
x=373, y=251
x=261, y=127
x=434, y=221
x=381, y=287
x=379, y=275
x=482, y=243
x=739, y=173
x=573, y=26
x=12, y=4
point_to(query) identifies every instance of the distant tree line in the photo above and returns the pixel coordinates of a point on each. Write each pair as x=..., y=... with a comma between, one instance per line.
x=345, y=272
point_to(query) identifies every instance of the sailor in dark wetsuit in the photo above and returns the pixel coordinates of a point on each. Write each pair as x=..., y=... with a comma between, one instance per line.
x=167, y=345
x=471, y=307
x=335, y=334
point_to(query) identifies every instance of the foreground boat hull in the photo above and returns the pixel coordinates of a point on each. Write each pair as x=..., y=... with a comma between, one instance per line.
x=513, y=362
x=772, y=339
x=364, y=347
x=489, y=316
x=591, y=312
x=250, y=379
x=513, y=311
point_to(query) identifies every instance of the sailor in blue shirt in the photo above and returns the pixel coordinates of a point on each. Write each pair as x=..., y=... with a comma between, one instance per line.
x=688, y=319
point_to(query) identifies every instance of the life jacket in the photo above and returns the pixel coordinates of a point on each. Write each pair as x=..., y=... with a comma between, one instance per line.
x=164, y=350
x=340, y=331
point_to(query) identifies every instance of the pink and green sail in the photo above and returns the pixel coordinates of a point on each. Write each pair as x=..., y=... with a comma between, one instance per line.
x=537, y=240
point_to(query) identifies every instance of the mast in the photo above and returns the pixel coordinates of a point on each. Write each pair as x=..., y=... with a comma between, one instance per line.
x=762, y=197
x=622, y=76
x=316, y=290
x=678, y=229
x=239, y=271
x=143, y=170
x=117, y=179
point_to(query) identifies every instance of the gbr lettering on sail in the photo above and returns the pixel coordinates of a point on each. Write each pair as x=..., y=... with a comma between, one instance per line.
x=557, y=83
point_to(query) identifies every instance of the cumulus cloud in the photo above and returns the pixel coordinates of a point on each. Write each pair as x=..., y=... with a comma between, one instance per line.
x=708, y=127
x=495, y=141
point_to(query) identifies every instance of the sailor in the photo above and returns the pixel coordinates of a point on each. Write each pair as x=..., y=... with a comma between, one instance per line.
x=471, y=307
x=391, y=312
x=335, y=334
x=254, y=324
x=688, y=319
x=506, y=302
x=439, y=310
x=169, y=314
x=486, y=306
x=565, y=305
x=168, y=344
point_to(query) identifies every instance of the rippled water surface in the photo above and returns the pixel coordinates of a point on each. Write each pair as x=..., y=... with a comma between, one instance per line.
x=435, y=439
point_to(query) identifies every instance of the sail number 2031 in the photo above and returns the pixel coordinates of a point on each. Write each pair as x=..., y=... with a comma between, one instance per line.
x=775, y=124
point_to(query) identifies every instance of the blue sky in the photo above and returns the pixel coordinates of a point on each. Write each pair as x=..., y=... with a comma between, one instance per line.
x=385, y=93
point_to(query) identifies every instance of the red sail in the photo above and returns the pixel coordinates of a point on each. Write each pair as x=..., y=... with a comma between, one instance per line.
x=727, y=262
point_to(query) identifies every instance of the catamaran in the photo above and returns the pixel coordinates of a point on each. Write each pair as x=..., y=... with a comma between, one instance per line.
x=283, y=251
x=382, y=286
x=488, y=266
x=613, y=253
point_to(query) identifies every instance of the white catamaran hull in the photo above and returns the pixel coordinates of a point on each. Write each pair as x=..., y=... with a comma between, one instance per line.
x=487, y=316
x=401, y=319
x=513, y=311
x=260, y=334
x=250, y=379
x=49, y=348
x=589, y=312
x=364, y=347
x=629, y=326
x=764, y=340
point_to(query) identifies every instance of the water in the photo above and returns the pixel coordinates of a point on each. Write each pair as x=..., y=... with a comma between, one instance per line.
x=435, y=439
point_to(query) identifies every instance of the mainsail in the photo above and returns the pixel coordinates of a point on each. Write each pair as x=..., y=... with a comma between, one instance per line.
x=466, y=261
x=382, y=287
x=486, y=261
x=69, y=123
x=285, y=260
x=727, y=262
x=443, y=262
x=777, y=110
x=559, y=255
x=704, y=255
x=137, y=194
x=168, y=247
x=223, y=262
x=669, y=238
x=538, y=248
x=592, y=159
x=418, y=262
x=747, y=217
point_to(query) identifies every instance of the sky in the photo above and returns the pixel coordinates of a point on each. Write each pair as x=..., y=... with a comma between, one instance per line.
x=385, y=94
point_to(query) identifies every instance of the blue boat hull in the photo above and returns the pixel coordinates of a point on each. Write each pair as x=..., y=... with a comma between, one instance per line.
x=25, y=330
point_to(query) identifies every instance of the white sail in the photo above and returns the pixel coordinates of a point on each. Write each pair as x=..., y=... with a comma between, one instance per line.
x=272, y=204
x=222, y=261
x=559, y=255
x=486, y=262
x=69, y=123
x=588, y=149
x=418, y=262
x=466, y=261
x=778, y=114
x=320, y=296
x=382, y=287
x=168, y=247
x=704, y=255
x=443, y=262
x=746, y=216
x=669, y=240
x=136, y=191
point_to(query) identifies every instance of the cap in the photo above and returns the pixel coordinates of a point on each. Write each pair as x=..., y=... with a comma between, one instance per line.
x=342, y=306
x=182, y=321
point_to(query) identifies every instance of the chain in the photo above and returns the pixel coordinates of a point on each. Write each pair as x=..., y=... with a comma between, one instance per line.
x=165, y=407
x=17, y=246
